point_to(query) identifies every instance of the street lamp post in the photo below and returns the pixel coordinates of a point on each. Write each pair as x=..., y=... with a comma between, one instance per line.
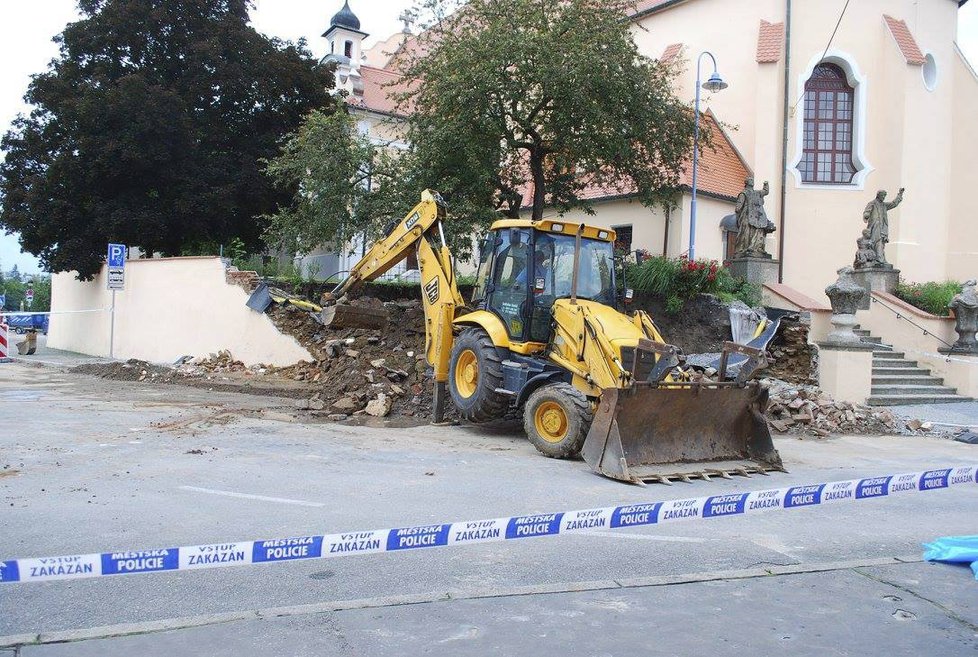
x=715, y=83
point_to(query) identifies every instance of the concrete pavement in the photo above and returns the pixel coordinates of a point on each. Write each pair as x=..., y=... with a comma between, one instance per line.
x=104, y=465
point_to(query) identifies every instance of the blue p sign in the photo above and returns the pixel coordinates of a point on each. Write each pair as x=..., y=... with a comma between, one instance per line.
x=117, y=256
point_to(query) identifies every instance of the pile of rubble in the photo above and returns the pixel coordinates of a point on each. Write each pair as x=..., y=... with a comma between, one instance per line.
x=806, y=409
x=221, y=362
x=357, y=371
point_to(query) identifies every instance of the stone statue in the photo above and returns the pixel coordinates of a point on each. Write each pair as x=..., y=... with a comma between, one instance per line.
x=878, y=225
x=752, y=222
x=865, y=253
x=965, y=307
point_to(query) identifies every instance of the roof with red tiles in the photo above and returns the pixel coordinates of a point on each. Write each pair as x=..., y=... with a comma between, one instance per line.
x=905, y=41
x=380, y=87
x=643, y=7
x=670, y=53
x=721, y=168
x=770, y=41
x=721, y=173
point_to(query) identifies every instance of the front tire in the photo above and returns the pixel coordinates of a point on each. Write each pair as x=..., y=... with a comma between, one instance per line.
x=474, y=373
x=557, y=418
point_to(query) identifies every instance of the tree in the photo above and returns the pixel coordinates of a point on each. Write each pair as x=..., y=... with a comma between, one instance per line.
x=15, y=274
x=345, y=184
x=149, y=129
x=532, y=102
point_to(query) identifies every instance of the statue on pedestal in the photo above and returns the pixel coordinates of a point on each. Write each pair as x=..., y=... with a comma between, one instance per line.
x=878, y=228
x=752, y=222
x=965, y=307
x=845, y=295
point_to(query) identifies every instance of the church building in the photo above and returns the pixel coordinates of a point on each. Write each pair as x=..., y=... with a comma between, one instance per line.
x=827, y=101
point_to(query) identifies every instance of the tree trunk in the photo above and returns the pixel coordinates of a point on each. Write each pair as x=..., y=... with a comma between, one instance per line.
x=539, y=187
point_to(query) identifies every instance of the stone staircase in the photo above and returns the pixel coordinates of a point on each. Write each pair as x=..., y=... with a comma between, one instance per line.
x=899, y=381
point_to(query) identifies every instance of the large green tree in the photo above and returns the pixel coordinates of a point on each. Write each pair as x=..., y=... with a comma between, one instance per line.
x=149, y=129
x=529, y=103
x=345, y=184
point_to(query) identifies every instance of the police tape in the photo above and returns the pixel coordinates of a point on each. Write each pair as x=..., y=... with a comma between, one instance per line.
x=26, y=313
x=580, y=522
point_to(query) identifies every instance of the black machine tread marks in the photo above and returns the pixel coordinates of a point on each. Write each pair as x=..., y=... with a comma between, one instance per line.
x=485, y=404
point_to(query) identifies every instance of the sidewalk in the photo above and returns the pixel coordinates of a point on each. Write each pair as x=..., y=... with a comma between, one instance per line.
x=958, y=415
x=907, y=608
x=52, y=357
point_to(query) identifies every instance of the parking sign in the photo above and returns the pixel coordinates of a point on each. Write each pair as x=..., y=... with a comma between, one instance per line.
x=117, y=266
x=117, y=256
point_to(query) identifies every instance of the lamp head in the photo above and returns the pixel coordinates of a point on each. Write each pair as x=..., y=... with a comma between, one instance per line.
x=715, y=83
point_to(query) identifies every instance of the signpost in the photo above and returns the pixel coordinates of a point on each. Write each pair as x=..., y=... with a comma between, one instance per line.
x=116, y=261
x=29, y=296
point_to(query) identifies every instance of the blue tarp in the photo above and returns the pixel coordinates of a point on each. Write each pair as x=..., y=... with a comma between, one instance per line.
x=954, y=549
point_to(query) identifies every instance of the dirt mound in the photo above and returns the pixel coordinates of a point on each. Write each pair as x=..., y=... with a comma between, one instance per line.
x=131, y=370
x=702, y=326
x=359, y=371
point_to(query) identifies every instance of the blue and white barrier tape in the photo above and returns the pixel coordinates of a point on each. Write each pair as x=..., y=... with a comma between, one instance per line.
x=480, y=531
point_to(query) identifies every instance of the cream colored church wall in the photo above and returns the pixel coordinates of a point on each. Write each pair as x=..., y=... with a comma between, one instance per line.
x=729, y=31
x=963, y=228
x=906, y=141
x=648, y=224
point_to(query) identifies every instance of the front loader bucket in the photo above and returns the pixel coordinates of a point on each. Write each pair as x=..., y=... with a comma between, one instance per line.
x=681, y=432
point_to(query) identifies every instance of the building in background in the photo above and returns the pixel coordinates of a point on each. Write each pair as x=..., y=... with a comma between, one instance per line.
x=827, y=115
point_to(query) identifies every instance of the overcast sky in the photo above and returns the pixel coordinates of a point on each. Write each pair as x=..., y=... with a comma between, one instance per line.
x=27, y=26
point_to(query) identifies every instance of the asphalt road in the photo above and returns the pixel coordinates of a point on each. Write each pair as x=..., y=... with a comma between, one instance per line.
x=89, y=466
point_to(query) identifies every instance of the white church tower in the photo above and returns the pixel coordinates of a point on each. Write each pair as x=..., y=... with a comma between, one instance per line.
x=346, y=49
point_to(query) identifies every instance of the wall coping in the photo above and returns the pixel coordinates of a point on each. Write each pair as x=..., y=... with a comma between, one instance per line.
x=796, y=298
x=910, y=308
x=171, y=259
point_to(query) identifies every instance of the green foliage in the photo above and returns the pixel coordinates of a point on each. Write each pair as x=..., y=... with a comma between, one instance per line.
x=14, y=286
x=149, y=128
x=931, y=297
x=345, y=185
x=507, y=95
x=679, y=280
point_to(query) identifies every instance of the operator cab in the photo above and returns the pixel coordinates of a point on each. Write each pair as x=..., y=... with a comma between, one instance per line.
x=525, y=266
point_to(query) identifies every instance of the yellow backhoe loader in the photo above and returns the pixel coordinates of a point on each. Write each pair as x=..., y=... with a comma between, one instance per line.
x=542, y=334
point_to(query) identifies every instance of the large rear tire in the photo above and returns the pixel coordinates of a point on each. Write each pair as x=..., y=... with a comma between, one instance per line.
x=557, y=418
x=474, y=373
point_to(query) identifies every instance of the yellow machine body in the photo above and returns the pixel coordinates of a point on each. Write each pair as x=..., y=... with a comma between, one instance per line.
x=543, y=334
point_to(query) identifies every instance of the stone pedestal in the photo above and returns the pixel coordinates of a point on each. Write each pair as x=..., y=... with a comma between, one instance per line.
x=843, y=330
x=875, y=280
x=755, y=270
x=845, y=371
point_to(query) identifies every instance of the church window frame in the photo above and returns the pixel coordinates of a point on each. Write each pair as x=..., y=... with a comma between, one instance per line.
x=860, y=85
x=829, y=118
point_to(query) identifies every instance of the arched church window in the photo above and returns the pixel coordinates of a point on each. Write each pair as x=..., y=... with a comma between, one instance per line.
x=827, y=140
x=348, y=49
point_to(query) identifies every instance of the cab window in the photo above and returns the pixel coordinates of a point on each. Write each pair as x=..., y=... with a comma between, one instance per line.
x=510, y=280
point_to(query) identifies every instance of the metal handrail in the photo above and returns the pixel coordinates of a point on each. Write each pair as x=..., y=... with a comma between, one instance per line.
x=899, y=315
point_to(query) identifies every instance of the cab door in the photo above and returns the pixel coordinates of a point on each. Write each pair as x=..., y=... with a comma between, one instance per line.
x=509, y=289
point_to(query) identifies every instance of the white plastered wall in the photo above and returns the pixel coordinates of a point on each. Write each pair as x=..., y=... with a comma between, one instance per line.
x=171, y=307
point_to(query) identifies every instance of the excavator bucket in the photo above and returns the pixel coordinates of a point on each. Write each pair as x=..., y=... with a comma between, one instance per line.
x=344, y=315
x=681, y=431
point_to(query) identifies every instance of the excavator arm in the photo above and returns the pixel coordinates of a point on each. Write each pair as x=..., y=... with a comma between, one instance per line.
x=421, y=230
x=392, y=249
